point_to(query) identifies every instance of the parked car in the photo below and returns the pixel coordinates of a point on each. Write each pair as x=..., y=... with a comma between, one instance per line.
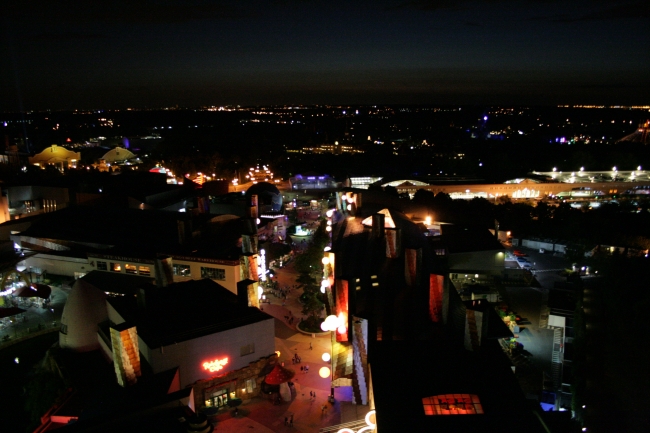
x=518, y=253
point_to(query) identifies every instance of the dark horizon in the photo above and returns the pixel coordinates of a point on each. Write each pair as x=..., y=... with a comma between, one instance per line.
x=143, y=53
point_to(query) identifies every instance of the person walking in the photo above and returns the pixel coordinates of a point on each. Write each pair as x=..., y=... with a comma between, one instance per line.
x=286, y=421
x=291, y=421
x=310, y=347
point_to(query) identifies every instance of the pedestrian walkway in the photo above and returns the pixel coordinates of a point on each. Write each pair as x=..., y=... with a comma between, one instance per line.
x=35, y=320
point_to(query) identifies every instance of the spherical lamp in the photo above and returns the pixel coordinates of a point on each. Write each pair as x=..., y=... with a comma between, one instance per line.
x=326, y=357
x=341, y=329
x=328, y=228
x=325, y=260
x=324, y=372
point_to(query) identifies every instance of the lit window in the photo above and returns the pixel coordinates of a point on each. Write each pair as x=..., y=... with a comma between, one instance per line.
x=250, y=385
x=116, y=267
x=213, y=273
x=130, y=269
x=452, y=404
x=182, y=270
x=145, y=270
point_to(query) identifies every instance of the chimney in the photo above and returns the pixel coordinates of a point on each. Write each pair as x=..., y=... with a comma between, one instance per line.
x=378, y=221
x=412, y=266
x=393, y=242
x=164, y=271
x=254, y=209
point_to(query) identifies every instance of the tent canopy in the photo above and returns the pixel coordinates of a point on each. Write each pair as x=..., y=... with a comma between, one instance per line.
x=34, y=290
x=279, y=375
x=10, y=311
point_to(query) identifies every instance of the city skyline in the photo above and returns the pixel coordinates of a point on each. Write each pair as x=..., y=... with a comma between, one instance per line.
x=142, y=53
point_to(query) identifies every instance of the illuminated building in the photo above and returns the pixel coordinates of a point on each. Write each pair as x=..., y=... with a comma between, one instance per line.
x=409, y=347
x=56, y=156
x=312, y=181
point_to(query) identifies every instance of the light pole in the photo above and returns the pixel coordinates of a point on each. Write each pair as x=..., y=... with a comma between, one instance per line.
x=331, y=323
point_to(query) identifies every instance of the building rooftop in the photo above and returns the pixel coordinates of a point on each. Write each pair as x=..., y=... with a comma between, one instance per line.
x=403, y=374
x=183, y=311
x=115, y=282
x=466, y=239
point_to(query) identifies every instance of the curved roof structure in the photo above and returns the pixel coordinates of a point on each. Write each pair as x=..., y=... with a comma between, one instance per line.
x=83, y=311
x=279, y=375
x=267, y=194
x=118, y=154
x=55, y=155
x=405, y=182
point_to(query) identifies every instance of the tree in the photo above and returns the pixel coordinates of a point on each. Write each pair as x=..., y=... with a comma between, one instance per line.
x=391, y=190
x=312, y=308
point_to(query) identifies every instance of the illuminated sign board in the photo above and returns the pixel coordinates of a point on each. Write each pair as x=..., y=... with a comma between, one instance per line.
x=215, y=365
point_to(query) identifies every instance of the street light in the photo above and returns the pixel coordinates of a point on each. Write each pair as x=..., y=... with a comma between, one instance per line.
x=332, y=323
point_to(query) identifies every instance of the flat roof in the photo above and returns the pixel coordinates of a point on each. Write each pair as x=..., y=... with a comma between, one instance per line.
x=184, y=311
x=115, y=282
x=405, y=372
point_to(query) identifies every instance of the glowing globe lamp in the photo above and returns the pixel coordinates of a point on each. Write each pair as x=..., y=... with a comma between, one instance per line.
x=324, y=372
x=326, y=357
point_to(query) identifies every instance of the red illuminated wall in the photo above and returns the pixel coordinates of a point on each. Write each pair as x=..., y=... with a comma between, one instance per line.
x=436, y=285
x=342, y=306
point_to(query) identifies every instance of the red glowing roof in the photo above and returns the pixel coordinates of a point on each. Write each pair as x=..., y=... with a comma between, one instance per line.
x=279, y=375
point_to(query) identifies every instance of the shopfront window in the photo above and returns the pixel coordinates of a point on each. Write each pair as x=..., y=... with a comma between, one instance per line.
x=217, y=398
x=130, y=269
x=116, y=267
x=145, y=270
x=101, y=266
x=182, y=270
x=250, y=385
x=213, y=273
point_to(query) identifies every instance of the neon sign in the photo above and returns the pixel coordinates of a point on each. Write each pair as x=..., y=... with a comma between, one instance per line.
x=215, y=365
x=368, y=428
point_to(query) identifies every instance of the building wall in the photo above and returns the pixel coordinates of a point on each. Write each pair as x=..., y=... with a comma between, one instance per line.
x=190, y=355
x=59, y=265
x=94, y=264
x=486, y=261
x=231, y=273
x=522, y=190
x=235, y=381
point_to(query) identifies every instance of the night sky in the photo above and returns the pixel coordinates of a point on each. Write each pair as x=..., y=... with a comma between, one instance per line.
x=146, y=53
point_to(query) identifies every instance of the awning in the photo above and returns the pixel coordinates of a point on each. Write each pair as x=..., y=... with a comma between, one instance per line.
x=279, y=375
x=34, y=290
x=10, y=311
